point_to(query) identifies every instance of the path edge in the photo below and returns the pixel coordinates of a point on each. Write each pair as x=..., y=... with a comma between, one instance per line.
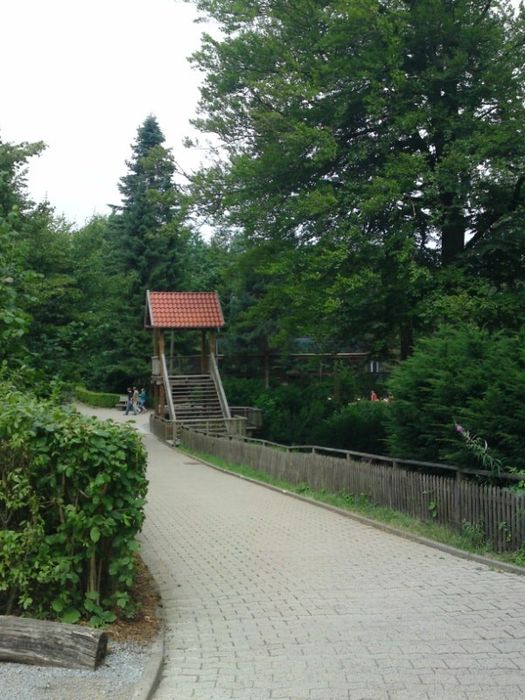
x=151, y=674
x=447, y=549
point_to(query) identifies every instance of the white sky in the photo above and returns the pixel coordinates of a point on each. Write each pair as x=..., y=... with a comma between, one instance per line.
x=82, y=77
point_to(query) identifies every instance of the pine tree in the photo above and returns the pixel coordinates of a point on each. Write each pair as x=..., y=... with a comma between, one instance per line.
x=147, y=227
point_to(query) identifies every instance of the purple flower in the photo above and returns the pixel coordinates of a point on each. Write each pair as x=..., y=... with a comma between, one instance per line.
x=459, y=428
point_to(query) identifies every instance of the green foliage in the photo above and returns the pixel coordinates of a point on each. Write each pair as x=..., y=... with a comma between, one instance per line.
x=466, y=376
x=360, y=427
x=316, y=412
x=15, y=223
x=242, y=392
x=360, y=143
x=96, y=398
x=72, y=493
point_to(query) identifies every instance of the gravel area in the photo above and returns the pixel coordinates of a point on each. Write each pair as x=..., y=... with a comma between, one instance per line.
x=115, y=678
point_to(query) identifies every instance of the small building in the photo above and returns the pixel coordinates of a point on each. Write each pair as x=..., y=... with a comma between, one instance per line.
x=187, y=390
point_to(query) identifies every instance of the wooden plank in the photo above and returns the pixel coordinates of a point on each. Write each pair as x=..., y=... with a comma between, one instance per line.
x=45, y=643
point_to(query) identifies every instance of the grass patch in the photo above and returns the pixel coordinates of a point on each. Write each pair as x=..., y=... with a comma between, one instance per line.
x=471, y=539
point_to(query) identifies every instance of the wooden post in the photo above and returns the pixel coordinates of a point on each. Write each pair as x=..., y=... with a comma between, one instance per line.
x=162, y=401
x=171, y=362
x=457, y=499
x=213, y=342
x=204, y=363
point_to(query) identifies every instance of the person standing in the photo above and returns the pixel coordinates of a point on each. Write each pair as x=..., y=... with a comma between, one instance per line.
x=129, y=404
x=142, y=400
x=135, y=400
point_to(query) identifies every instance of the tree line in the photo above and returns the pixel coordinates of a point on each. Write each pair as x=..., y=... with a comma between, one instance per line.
x=368, y=195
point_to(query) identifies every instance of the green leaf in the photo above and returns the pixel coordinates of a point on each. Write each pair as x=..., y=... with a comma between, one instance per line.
x=57, y=605
x=94, y=534
x=71, y=616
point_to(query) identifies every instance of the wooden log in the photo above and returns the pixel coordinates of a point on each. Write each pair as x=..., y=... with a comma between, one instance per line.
x=44, y=643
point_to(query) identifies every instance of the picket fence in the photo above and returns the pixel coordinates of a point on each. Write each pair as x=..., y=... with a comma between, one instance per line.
x=494, y=514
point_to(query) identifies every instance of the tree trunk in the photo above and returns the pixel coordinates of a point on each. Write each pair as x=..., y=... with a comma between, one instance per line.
x=44, y=643
x=406, y=338
x=452, y=231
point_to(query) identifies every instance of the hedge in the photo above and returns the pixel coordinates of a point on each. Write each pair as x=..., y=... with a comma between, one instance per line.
x=72, y=494
x=96, y=398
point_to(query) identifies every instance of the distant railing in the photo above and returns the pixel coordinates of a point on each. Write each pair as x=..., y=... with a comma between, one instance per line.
x=214, y=372
x=162, y=427
x=167, y=387
x=254, y=416
x=493, y=513
x=231, y=427
x=184, y=364
x=395, y=462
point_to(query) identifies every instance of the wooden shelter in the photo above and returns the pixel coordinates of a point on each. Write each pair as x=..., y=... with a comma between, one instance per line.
x=169, y=311
x=186, y=392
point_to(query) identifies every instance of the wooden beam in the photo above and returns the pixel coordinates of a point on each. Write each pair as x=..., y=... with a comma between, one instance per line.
x=43, y=643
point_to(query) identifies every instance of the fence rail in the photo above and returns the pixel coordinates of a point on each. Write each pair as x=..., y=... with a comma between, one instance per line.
x=254, y=416
x=493, y=513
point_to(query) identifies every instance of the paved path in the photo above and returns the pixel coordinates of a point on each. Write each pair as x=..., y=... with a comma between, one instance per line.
x=268, y=597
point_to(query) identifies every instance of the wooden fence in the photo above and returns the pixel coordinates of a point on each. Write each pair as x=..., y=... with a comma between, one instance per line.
x=493, y=513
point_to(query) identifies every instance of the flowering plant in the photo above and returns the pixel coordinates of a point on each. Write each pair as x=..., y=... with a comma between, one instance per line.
x=479, y=447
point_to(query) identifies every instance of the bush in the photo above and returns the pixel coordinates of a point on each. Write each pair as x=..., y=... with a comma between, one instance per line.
x=466, y=376
x=242, y=392
x=360, y=427
x=96, y=398
x=292, y=412
x=299, y=412
x=72, y=493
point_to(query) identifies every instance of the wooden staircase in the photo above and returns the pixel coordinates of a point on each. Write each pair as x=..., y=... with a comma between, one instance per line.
x=196, y=402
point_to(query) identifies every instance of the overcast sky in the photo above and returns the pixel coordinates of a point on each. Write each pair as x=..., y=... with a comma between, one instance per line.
x=82, y=76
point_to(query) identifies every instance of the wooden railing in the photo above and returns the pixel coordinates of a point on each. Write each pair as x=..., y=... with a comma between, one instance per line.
x=184, y=364
x=167, y=387
x=434, y=492
x=231, y=427
x=214, y=373
x=254, y=416
x=163, y=428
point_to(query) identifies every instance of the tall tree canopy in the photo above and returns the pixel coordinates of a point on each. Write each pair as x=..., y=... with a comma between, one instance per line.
x=147, y=224
x=20, y=222
x=387, y=135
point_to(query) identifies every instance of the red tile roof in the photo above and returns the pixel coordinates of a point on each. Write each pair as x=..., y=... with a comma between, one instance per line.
x=184, y=310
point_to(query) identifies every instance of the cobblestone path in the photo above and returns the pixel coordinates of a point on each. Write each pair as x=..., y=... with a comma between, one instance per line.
x=267, y=597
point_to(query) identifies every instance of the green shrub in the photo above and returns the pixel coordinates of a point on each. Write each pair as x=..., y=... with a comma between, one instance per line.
x=466, y=376
x=72, y=493
x=360, y=427
x=96, y=398
x=297, y=412
x=292, y=412
x=242, y=392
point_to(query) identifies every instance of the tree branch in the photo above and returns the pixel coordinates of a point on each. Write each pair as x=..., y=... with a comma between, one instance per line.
x=501, y=218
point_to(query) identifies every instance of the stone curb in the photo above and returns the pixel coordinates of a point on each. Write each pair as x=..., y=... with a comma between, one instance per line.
x=447, y=549
x=151, y=675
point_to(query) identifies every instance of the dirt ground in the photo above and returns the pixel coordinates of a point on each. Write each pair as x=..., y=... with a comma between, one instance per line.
x=146, y=624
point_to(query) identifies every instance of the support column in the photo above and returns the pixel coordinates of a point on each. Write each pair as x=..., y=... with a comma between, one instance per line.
x=204, y=358
x=162, y=401
x=213, y=343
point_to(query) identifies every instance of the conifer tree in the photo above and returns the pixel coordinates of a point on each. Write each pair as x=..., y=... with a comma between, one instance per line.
x=146, y=225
